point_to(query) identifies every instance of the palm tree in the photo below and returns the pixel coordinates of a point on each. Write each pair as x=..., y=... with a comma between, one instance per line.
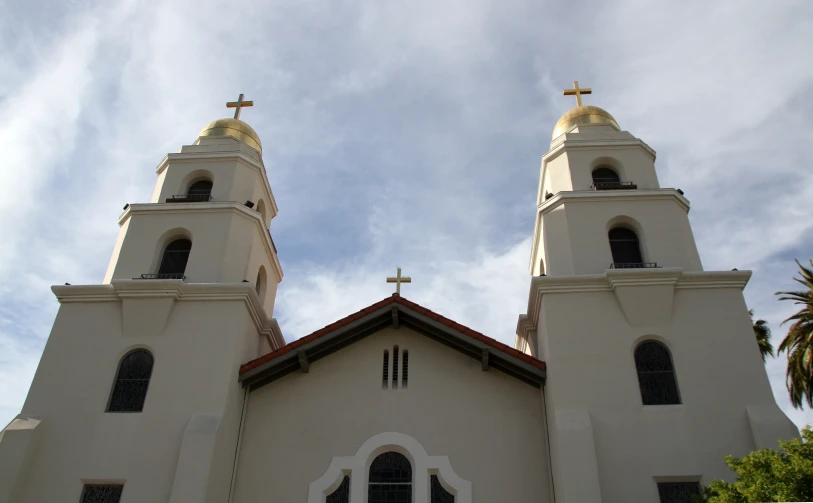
x=799, y=341
x=763, y=334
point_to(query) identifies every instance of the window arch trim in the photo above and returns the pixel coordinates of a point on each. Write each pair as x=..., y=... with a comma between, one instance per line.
x=358, y=467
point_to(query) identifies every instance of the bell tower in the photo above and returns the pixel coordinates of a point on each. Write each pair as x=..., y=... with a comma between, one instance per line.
x=646, y=351
x=136, y=394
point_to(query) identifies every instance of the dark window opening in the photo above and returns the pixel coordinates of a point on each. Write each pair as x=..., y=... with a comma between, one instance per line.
x=605, y=175
x=132, y=381
x=656, y=374
x=439, y=494
x=342, y=493
x=173, y=263
x=390, y=479
x=200, y=189
x=386, y=369
x=405, y=369
x=625, y=247
x=395, y=367
x=101, y=493
x=678, y=492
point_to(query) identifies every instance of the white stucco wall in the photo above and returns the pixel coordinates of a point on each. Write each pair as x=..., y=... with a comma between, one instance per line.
x=592, y=389
x=489, y=425
x=196, y=363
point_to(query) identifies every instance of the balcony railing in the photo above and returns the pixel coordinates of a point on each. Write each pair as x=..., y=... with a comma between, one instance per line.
x=171, y=275
x=272, y=241
x=613, y=186
x=189, y=198
x=633, y=265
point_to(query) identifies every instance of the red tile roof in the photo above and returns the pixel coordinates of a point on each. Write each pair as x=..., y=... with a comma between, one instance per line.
x=395, y=299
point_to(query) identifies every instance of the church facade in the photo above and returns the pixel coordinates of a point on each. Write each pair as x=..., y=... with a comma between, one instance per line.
x=634, y=372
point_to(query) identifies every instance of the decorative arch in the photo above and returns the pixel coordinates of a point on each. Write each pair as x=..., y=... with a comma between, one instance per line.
x=262, y=210
x=357, y=467
x=655, y=367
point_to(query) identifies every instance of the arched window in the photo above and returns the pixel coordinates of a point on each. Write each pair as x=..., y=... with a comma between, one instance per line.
x=132, y=381
x=390, y=479
x=656, y=374
x=438, y=493
x=259, y=286
x=200, y=190
x=173, y=263
x=261, y=209
x=605, y=175
x=625, y=248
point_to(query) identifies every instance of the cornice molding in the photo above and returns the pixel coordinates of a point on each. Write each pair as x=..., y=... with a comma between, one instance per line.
x=119, y=289
x=614, y=195
x=614, y=278
x=237, y=155
x=577, y=144
x=210, y=207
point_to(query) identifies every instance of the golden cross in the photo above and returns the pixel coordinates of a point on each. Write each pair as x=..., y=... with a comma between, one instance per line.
x=239, y=104
x=578, y=92
x=398, y=280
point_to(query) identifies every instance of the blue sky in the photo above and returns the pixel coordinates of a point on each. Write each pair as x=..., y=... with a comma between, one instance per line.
x=395, y=133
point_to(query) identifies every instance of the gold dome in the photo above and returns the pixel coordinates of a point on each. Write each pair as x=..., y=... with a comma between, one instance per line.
x=583, y=115
x=236, y=129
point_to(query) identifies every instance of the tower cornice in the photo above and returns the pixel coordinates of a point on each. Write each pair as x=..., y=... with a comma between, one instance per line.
x=210, y=207
x=231, y=155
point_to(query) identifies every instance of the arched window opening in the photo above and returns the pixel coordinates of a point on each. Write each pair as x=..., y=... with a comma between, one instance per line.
x=390, y=479
x=605, y=175
x=342, y=493
x=260, y=285
x=173, y=262
x=625, y=248
x=201, y=190
x=438, y=493
x=386, y=380
x=656, y=374
x=132, y=381
x=261, y=210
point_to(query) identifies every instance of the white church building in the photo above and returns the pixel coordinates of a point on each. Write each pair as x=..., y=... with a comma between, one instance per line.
x=634, y=373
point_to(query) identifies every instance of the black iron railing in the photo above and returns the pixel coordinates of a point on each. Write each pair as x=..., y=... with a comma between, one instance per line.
x=171, y=275
x=189, y=198
x=613, y=186
x=633, y=265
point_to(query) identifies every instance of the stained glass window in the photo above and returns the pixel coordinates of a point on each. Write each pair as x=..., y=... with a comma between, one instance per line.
x=677, y=492
x=439, y=494
x=342, y=493
x=132, y=381
x=101, y=494
x=390, y=479
x=656, y=374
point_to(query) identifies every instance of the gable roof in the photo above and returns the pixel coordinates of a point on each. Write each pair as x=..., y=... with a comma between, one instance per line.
x=392, y=311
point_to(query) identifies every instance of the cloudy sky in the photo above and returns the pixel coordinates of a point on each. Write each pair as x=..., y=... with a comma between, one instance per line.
x=395, y=132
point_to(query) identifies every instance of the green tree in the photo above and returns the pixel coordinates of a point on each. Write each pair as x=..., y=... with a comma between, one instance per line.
x=768, y=475
x=799, y=341
x=763, y=333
